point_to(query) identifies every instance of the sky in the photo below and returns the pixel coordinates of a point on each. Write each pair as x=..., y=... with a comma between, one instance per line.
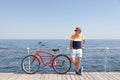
x=57, y=19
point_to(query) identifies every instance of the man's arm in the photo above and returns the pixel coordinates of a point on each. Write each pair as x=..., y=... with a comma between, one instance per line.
x=71, y=44
x=84, y=43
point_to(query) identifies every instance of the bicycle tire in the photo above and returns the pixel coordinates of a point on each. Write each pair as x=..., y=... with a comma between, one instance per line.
x=23, y=67
x=69, y=67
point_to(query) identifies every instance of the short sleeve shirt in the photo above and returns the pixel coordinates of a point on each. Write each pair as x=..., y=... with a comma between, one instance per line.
x=77, y=41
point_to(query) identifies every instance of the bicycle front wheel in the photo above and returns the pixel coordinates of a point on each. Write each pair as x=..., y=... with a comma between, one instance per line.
x=30, y=64
x=61, y=64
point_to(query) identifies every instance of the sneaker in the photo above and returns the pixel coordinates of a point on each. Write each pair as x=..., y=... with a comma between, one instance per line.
x=78, y=73
x=80, y=70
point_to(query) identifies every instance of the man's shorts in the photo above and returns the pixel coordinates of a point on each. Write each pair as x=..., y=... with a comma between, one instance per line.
x=76, y=53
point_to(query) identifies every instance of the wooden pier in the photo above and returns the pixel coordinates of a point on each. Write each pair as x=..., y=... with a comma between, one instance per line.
x=68, y=76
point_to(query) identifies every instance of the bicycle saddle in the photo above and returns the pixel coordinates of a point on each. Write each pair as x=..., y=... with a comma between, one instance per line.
x=55, y=50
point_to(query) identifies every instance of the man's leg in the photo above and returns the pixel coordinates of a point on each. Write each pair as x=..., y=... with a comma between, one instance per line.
x=79, y=57
x=78, y=64
x=73, y=55
x=73, y=61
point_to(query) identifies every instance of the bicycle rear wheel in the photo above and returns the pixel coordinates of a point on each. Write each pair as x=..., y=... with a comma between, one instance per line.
x=30, y=64
x=61, y=64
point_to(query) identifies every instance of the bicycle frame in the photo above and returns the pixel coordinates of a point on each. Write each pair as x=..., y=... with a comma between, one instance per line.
x=41, y=58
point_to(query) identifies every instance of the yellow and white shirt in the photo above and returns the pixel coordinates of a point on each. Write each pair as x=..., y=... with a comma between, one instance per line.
x=77, y=41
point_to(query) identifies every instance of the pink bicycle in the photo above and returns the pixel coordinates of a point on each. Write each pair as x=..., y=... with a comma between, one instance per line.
x=61, y=64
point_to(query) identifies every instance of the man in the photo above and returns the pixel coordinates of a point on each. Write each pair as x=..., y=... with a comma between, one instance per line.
x=77, y=43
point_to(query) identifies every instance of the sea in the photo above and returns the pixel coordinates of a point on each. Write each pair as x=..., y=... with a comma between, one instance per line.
x=96, y=59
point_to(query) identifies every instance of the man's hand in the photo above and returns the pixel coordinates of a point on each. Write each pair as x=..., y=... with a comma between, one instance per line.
x=84, y=43
x=83, y=47
x=71, y=48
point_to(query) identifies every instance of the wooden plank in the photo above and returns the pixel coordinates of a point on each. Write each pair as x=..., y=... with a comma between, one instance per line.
x=42, y=77
x=55, y=76
x=30, y=77
x=77, y=77
x=36, y=77
x=81, y=77
x=59, y=77
x=115, y=76
x=68, y=76
x=111, y=76
x=4, y=77
x=97, y=76
x=89, y=76
x=51, y=77
x=106, y=76
x=85, y=76
x=46, y=77
x=72, y=76
x=92, y=76
x=22, y=77
x=13, y=77
x=64, y=77
x=101, y=75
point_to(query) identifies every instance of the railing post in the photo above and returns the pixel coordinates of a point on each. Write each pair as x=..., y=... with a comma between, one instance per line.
x=105, y=58
x=28, y=49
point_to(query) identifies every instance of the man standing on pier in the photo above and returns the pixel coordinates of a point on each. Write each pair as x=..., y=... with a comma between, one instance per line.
x=77, y=43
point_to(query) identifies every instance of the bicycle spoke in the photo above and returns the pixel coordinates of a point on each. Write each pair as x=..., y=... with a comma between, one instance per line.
x=30, y=64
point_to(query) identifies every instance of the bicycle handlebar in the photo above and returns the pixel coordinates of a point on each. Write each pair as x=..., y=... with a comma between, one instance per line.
x=40, y=43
